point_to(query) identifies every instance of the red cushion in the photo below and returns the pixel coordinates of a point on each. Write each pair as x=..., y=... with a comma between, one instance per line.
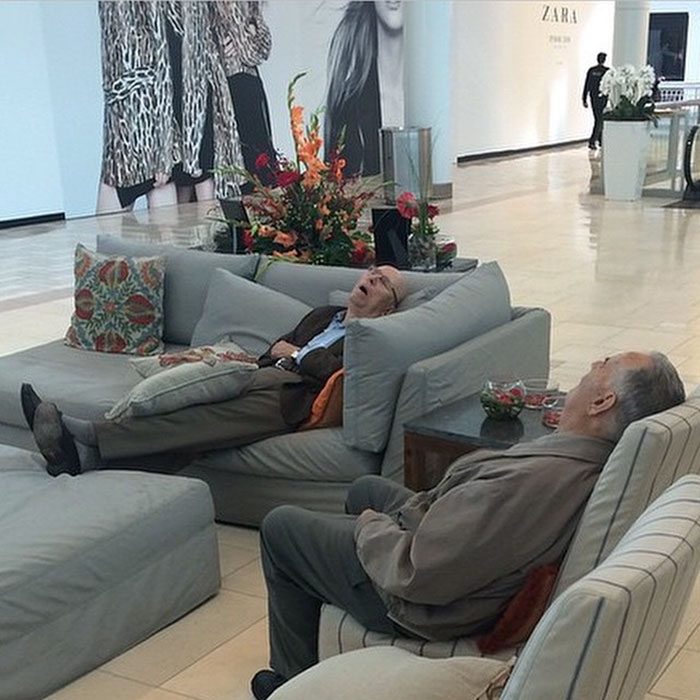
x=523, y=611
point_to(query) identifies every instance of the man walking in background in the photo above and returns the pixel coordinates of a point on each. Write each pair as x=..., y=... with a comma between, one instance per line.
x=592, y=88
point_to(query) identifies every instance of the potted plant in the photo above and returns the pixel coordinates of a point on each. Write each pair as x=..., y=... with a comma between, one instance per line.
x=628, y=120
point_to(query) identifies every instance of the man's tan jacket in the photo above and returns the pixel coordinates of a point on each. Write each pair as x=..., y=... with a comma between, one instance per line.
x=447, y=561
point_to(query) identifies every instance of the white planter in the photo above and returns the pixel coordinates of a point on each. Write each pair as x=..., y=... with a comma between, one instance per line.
x=625, y=148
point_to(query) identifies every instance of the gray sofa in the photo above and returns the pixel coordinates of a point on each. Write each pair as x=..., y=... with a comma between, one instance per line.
x=397, y=368
x=92, y=566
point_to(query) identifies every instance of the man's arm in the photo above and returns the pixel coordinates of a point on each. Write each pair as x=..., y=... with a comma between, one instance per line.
x=586, y=88
x=456, y=548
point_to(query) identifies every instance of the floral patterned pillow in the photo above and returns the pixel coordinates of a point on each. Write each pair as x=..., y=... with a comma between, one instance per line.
x=118, y=303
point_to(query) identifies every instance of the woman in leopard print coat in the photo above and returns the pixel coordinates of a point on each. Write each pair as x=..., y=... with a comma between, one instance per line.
x=143, y=136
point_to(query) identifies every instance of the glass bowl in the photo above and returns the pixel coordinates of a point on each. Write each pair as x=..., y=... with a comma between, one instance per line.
x=552, y=407
x=502, y=400
x=537, y=389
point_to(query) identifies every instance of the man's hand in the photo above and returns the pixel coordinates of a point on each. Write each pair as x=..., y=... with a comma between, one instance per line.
x=282, y=349
x=365, y=516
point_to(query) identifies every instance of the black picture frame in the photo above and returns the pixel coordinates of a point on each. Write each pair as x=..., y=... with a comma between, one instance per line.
x=390, y=231
x=667, y=44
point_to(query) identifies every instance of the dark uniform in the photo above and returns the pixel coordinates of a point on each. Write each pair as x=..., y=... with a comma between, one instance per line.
x=598, y=101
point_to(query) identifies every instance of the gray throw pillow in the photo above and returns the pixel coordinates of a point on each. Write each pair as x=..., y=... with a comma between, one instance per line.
x=184, y=385
x=378, y=351
x=246, y=313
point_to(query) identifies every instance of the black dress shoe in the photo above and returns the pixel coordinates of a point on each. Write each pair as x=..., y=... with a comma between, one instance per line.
x=54, y=441
x=264, y=683
x=30, y=400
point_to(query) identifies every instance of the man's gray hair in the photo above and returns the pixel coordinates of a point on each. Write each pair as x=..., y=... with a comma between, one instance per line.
x=645, y=391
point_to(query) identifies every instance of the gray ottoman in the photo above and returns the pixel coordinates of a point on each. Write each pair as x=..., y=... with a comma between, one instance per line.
x=91, y=565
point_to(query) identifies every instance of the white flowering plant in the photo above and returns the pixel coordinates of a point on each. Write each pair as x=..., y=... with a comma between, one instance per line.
x=628, y=90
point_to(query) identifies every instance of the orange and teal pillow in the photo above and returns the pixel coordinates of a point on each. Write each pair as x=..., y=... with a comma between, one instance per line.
x=118, y=303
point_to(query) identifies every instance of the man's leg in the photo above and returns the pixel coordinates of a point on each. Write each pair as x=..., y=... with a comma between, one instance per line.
x=309, y=558
x=591, y=140
x=253, y=416
x=598, y=108
x=377, y=493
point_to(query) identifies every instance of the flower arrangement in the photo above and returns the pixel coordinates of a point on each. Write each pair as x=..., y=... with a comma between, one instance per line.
x=502, y=400
x=422, y=244
x=629, y=93
x=310, y=213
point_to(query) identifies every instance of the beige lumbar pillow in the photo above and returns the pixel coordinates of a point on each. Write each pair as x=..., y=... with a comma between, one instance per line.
x=182, y=385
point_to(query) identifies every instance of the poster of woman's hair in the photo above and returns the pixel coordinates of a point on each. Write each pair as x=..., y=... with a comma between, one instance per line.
x=365, y=82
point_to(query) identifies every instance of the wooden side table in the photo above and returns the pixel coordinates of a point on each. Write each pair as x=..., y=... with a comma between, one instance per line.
x=435, y=440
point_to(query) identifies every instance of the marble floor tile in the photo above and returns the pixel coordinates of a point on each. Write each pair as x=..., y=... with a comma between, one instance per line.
x=225, y=673
x=99, y=685
x=178, y=646
x=681, y=679
x=248, y=579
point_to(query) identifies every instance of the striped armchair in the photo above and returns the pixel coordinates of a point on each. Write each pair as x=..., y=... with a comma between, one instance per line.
x=604, y=638
x=650, y=456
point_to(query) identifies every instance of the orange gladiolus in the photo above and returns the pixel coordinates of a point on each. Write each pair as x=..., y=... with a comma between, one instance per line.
x=285, y=239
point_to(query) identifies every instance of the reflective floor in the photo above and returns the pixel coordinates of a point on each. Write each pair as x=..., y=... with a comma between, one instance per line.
x=615, y=276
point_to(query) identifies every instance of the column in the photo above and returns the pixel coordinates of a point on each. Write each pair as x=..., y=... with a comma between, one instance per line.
x=428, y=83
x=631, y=32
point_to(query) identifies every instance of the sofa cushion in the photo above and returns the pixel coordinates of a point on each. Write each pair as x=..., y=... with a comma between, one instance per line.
x=82, y=384
x=313, y=283
x=379, y=351
x=314, y=455
x=118, y=303
x=187, y=274
x=338, y=297
x=93, y=565
x=246, y=313
x=387, y=672
x=184, y=385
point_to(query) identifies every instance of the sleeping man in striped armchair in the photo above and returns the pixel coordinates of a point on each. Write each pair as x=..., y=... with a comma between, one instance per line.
x=444, y=563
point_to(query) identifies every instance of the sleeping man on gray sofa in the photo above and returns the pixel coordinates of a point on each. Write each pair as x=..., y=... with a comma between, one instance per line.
x=443, y=563
x=279, y=399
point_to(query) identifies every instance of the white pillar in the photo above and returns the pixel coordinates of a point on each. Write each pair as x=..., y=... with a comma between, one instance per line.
x=428, y=84
x=631, y=32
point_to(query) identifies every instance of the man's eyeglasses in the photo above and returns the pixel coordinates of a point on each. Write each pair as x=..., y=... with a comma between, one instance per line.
x=387, y=284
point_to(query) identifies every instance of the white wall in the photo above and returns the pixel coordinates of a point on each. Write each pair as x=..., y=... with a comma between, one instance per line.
x=516, y=85
x=29, y=177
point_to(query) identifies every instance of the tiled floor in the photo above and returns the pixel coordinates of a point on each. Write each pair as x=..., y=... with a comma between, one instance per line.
x=615, y=276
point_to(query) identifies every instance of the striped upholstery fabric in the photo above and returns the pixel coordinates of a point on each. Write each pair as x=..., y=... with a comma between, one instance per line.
x=607, y=635
x=650, y=456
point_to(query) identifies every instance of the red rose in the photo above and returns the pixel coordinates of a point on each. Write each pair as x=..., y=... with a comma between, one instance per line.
x=433, y=211
x=247, y=239
x=262, y=161
x=285, y=178
x=407, y=205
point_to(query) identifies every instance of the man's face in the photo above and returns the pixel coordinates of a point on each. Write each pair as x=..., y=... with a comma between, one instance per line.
x=376, y=293
x=591, y=396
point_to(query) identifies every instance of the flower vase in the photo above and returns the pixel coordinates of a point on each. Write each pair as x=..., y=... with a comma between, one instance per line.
x=422, y=251
x=625, y=148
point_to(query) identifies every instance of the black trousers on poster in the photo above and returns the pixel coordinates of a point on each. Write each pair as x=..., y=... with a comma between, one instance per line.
x=309, y=559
